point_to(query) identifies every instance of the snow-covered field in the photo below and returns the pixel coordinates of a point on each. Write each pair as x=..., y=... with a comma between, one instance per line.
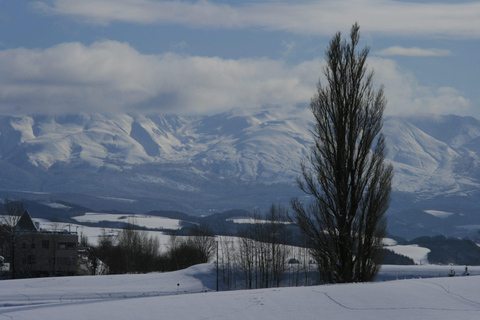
x=421, y=292
x=93, y=233
x=142, y=220
x=188, y=294
x=418, y=254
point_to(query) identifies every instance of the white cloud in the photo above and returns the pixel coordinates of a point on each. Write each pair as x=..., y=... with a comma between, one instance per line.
x=110, y=76
x=413, y=52
x=406, y=96
x=304, y=17
x=289, y=47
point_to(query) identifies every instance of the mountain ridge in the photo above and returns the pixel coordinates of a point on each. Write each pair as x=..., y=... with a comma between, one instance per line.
x=231, y=160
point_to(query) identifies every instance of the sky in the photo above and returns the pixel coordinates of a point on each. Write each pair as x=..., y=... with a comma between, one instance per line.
x=210, y=56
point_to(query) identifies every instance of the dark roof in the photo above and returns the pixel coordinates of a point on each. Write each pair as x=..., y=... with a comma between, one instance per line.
x=25, y=223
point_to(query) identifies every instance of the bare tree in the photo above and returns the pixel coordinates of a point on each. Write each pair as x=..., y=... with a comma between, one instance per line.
x=348, y=179
x=102, y=252
x=263, y=250
x=227, y=260
x=226, y=251
x=247, y=256
x=203, y=239
x=128, y=243
x=277, y=239
x=196, y=248
x=138, y=250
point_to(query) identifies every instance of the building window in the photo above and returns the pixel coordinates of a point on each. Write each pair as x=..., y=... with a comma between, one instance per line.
x=45, y=244
x=66, y=246
x=33, y=245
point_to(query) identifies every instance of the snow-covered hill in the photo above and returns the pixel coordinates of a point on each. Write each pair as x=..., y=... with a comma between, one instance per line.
x=186, y=294
x=242, y=160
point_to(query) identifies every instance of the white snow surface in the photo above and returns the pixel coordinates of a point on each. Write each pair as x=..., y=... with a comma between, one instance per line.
x=416, y=253
x=439, y=214
x=55, y=205
x=245, y=220
x=150, y=222
x=93, y=233
x=188, y=294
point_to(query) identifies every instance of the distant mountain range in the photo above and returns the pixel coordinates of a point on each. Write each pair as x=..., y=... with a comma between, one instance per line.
x=233, y=160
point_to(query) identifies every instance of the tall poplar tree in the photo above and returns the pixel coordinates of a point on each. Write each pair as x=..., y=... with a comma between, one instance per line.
x=346, y=174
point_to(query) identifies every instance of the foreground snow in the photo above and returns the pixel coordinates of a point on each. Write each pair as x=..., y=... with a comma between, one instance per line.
x=187, y=294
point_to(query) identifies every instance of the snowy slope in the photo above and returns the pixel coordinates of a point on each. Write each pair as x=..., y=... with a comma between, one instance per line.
x=181, y=295
x=236, y=159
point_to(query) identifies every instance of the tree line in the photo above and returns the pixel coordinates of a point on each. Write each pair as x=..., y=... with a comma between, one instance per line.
x=263, y=255
x=135, y=251
x=260, y=256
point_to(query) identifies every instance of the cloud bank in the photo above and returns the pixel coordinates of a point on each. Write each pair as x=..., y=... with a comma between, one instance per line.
x=112, y=77
x=319, y=17
x=406, y=96
x=413, y=52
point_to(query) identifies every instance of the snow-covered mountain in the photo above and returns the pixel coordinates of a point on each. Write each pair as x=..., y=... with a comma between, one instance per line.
x=230, y=160
x=253, y=148
x=192, y=164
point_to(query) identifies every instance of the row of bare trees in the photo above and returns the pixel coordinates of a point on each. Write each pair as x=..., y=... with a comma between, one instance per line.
x=135, y=251
x=262, y=256
x=131, y=251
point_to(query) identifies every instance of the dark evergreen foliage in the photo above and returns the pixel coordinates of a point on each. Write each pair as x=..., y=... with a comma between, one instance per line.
x=449, y=250
x=396, y=259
